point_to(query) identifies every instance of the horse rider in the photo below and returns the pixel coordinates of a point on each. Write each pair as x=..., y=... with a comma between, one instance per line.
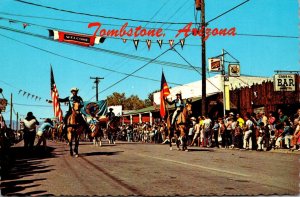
x=179, y=105
x=73, y=98
x=110, y=115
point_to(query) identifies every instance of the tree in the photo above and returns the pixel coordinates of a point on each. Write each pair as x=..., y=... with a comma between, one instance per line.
x=149, y=101
x=131, y=103
x=116, y=99
x=134, y=103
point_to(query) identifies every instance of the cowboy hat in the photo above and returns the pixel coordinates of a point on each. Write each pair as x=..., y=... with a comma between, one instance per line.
x=193, y=118
x=74, y=89
x=178, y=93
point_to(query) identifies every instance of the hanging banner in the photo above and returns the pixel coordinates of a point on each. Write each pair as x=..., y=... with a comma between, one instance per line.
x=234, y=70
x=214, y=64
x=78, y=39
x=285, y=82
x=94, y=108
x=227, y=98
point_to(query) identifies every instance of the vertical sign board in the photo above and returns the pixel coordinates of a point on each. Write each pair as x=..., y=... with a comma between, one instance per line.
x=234, y=70
x=285, y=82
x=227, y=98
x=214, y=64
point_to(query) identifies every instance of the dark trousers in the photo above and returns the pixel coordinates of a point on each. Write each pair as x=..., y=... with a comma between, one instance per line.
x=226, y=138
x=29, y=137
x=216, y=133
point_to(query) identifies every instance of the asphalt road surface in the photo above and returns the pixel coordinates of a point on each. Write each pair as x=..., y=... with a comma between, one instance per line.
x=150, y=170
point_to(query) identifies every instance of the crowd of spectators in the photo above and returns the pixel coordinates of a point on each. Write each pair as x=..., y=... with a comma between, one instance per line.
x=256, y=131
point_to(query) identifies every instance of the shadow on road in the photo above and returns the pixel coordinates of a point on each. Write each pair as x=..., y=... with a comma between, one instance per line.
x=208, y=150
x=17, y=173
x=101, y=153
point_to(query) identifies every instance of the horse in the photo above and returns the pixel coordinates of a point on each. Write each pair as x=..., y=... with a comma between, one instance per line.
x=181, y=127
x=75, y=127
x=113, y=129
x=56, y=133
x=96, y=133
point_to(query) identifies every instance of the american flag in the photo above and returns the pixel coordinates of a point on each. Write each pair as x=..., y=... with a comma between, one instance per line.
x=55, y=96
x=164, y=92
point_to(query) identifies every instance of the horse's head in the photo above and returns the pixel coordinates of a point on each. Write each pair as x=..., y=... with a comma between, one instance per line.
x=188, y=107
x=76, y=106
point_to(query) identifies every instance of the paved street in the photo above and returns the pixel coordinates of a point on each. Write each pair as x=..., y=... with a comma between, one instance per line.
x=149, y=169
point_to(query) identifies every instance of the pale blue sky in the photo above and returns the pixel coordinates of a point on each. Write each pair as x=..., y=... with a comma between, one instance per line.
x=27, y=68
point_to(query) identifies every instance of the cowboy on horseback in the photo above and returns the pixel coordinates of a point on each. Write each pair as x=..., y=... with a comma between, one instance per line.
x=179, y=105
x=74, y=98
x=110, y=115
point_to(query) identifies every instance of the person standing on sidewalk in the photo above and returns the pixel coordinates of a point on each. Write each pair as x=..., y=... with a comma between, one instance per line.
x=30, y=123
x=249, y=125
x=41, y=133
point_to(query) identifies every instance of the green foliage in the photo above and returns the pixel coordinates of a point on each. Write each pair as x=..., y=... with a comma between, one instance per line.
x=131, y=103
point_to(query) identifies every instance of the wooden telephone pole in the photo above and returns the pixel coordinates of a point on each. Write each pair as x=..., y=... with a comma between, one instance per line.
x=200, y=5
x=97, y=80
x=11, y=111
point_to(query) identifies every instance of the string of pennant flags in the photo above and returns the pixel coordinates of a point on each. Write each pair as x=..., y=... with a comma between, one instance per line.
x=159, y=42
x=101, y=39
x=29, y=95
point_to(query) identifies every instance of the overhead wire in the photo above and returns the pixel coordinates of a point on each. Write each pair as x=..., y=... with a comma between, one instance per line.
x=164, y=51
x=129, y=56
x=82, y=62
x=168, y=29
x=194, y=68
x=100, y=16
x=122, y=63
x=167, y=50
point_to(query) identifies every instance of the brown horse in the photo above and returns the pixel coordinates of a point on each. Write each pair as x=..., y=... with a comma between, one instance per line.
x=181, y=127
x=96, y=134
x=74, y=127
x=113, y=129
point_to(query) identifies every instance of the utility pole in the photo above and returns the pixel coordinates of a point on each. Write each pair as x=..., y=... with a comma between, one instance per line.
x=17, y=123
x=203, y=52
x=97, y=80
x=223, y=78
x=11, y=110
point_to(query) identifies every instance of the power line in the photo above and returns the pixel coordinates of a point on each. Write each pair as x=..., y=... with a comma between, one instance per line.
x=169, y=49
x=109, y=24
x=82, y=62
x=134, y=71
x=77, y=21
x=194, y=68
x=156, y=56
x=222, y=14
x=268, y=36
x=101, y=16
x=28, y=105
x=129, y=56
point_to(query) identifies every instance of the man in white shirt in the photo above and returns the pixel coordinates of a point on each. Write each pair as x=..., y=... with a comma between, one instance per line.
x=207, y=131
x=248, y=132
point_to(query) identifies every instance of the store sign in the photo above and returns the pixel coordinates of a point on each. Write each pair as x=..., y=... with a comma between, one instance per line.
x=284, y=82
x=214, y=64
x=234, y=70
